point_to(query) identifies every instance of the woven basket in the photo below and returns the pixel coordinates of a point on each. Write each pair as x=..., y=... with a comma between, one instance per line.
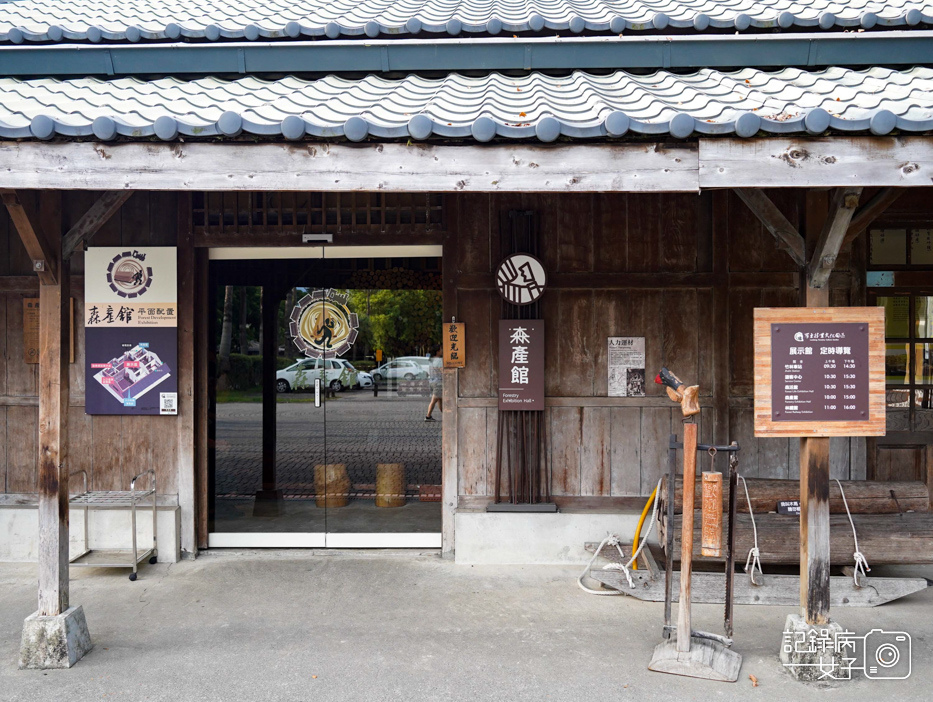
x=390, y=485
x=331, y=485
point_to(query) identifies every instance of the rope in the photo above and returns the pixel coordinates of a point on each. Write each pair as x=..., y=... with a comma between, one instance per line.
x=613, y=540
x=861, y=564
x=753, y=561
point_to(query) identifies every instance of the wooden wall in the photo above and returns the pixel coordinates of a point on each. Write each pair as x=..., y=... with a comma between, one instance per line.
x=682, y=270
x=111, y=449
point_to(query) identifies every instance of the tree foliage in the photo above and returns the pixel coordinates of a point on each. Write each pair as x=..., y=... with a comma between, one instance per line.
x=400, y=322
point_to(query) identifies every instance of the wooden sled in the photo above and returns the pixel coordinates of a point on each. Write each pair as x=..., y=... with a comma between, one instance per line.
x=775, y=590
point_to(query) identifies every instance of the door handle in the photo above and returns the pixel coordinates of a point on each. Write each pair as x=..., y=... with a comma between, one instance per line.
x=317, y=392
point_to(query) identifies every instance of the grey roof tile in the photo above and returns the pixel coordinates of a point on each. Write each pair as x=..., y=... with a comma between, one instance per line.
x=119, y=20
x=579, y=105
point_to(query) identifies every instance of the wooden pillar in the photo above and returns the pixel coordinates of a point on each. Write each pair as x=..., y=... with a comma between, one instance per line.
x=270, y=309
x=54, y=342
x=184, y=422
x=449, y=412
x=814, y=463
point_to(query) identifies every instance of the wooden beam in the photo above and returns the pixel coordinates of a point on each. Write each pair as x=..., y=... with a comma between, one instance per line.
x=837, y=161
x=823, y=259
x=778, y=162
x=814, y=459
x=645, y=167
x=44, y=258
x=92, y=220
x=786, y=235
x=870, y=211
x=54, y=340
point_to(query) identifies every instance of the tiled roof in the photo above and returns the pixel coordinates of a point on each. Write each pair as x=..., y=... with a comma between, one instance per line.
x=119, y=20
x=534, y=106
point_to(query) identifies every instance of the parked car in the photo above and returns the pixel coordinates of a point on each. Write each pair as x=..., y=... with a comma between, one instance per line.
x=338, y=374
x=399, y=369
x=423, y=361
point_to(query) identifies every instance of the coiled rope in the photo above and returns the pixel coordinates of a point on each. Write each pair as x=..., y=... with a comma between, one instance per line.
x=613, y=540
x=861, y=564
x=752, y=562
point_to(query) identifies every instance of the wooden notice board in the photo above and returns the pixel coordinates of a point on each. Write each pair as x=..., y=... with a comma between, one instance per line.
x=819, y=371
x=454, y=345
x=31, y=330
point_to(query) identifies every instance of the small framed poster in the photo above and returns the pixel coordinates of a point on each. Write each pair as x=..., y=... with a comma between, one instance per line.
x=626, y=364
x=819, y=371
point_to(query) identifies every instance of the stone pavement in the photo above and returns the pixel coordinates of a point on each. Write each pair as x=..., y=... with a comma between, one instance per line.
x=303, y=626
x=361, y=431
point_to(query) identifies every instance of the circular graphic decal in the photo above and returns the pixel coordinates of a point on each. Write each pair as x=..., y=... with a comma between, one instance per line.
x=322, y=325
x=521, y=279
x=128, y=276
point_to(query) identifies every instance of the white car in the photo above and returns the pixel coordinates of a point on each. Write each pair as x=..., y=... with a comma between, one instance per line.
x=399, y=370
x=338, y=374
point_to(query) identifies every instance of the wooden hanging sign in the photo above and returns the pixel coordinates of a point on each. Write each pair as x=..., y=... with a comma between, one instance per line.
x=455, y=345
x=819, y=371
x=31, y=331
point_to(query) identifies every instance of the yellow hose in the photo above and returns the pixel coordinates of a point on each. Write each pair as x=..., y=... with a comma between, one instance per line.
x=641, y=521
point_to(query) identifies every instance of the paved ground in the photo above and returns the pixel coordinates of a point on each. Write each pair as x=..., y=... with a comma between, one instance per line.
x=302, y=626
x=361, y=431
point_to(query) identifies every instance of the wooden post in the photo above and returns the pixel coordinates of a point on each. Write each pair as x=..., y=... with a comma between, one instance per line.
x=270, y=310
x=54, y=339
x=814, y=460
x=686, y=538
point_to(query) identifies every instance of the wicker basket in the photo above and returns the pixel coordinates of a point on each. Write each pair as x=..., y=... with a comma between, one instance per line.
x=331, y=485
x=390, y=485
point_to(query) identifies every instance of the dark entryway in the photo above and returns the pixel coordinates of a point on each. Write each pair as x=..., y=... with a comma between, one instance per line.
x=332, y=451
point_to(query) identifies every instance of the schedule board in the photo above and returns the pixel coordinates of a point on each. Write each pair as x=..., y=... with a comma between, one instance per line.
x=819, y=371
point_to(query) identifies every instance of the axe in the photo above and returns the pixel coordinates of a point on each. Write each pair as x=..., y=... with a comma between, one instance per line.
x=678, y=391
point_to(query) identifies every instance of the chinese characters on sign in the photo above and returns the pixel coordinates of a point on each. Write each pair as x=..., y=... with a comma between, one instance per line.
x=454, y=345
x=31, y=331
x=879, y=654
x=521, y=364
x=626, y=366
x=130, y=330
x=819, y=372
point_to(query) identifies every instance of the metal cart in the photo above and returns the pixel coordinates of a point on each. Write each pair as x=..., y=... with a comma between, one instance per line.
x=116, y=557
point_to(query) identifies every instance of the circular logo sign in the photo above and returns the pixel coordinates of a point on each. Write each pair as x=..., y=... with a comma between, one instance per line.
x=521, y=279
x=127, y=275
x=322, y=325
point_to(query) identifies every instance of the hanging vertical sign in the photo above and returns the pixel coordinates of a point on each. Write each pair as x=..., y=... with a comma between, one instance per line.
x=131, y=330
x=521, y=364
x=454, y=345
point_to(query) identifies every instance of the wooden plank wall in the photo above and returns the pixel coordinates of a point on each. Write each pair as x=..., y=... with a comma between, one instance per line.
x=111, y=449
x=629, y=265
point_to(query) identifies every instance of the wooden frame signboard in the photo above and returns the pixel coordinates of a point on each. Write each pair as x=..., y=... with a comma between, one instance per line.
x=819, y=371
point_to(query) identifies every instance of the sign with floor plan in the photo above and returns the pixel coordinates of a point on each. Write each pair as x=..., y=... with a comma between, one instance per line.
x=131, y=330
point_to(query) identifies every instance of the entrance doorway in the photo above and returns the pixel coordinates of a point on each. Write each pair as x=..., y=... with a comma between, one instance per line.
x=319, y=389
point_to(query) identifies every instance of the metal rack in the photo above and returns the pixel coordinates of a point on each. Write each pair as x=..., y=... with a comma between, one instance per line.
x=117, y=557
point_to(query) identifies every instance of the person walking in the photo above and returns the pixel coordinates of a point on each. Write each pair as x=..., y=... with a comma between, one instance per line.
x=436, y=381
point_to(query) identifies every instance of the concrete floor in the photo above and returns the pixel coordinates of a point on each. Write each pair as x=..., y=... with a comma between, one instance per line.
x=367, y=626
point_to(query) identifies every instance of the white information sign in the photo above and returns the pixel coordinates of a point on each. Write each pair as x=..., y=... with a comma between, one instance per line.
x=626, y=366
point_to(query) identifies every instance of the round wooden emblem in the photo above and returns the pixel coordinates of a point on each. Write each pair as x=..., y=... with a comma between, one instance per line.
x=521, y=279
